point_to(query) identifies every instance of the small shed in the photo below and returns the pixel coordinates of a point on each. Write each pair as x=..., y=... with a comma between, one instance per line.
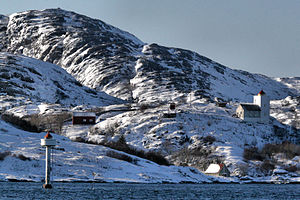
x=217, y=170
x=83, y=118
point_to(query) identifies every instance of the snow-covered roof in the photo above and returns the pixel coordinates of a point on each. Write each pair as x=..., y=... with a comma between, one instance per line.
x=84, y=114
x=251, y=107
x=279, y=171
x=213, y=168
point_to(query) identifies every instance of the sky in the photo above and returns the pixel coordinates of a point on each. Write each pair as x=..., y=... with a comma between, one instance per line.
x=258, y=36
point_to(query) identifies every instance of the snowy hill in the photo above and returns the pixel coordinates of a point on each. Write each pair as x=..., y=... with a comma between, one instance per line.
x=47, y=56
x=103, y=57
x=22, y=158
x=89, y=49
x=173, y=74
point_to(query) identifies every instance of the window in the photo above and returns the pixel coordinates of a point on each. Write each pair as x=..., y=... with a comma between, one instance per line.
x=84, y=120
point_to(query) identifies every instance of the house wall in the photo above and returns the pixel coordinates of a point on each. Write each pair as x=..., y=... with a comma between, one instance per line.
x=240, y=112
x=224, y=172
x=251, y=119
x=251, y=114
x=212, y=174
x=264, y=102
x=83, y=120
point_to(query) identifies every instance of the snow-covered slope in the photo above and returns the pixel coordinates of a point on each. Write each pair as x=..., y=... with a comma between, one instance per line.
x=36, y=80
x=193, y=123
x=291, y=82
x=175, y=74
x=103, y=57
x=287, y=111
x=23, y=158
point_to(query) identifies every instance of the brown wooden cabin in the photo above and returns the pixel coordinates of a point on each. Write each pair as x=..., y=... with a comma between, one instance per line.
x=83, y=118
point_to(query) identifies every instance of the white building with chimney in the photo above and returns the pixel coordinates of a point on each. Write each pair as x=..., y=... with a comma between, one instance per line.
x=258, y=111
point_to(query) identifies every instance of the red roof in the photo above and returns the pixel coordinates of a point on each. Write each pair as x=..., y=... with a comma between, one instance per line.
x=261, y=92
x=221, y=165
x=48, y=136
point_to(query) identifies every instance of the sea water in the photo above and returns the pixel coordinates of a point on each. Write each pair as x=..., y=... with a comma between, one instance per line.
x=64, y=191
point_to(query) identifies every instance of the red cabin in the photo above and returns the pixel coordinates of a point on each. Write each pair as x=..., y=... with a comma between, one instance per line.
x=83, y=118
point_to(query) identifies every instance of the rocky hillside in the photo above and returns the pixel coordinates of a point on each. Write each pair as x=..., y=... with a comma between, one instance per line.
x=103, y=57
x=38, y=81
x=89, y=49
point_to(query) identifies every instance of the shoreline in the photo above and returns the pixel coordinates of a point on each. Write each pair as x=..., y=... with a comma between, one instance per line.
x=163, y=182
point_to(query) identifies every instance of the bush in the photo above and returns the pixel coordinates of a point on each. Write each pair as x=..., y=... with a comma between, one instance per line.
x=199, y=157
x=121, y=145
x=209, y=139
x=121, y=156
x=4, y=154
x=27, y=79
x=156, y=157
x=20, y=122
x=21, y=157
x=292, y=168
x=267, y=166
x=143, y=107
x=252, y=153
x=290, y=150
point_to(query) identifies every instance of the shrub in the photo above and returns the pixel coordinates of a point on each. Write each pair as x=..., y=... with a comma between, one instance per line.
x=4, y=154
x=5, y=75
x=143, y=107
x=3, y=130
x=90, y=91
x=289, y=149
x=156, y=157
x=252, y=153
x=32, y=70
x=20, y=122
x=267, y=166
x=199, y=157
x=291, y=168
x=53, y=122
x=21, y=157
x=61, y=95
x=27, y=79
x=121, y=145
x=121, y=156
x=209, y=139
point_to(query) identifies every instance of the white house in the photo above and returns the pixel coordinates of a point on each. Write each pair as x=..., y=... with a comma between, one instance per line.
x=258, y=111
x=217, y=170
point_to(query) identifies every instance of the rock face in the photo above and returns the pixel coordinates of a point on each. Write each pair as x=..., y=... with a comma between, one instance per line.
x=89, y=49
x=108, y=59
x=36, y=80
x=3, y=28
